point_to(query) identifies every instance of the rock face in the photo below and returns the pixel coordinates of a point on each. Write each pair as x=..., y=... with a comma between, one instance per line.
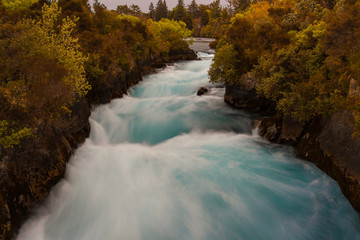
x=280, y=129
x=28, y=171
x=354, y=88
x=270, y=127
x=178, y=56
x=336, y=151
x=329, y=143
x=245, y=96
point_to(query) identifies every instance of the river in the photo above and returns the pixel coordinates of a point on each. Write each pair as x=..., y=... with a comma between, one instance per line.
x=164, y=163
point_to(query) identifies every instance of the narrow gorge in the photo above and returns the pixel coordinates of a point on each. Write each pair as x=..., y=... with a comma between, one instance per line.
x=163, y=162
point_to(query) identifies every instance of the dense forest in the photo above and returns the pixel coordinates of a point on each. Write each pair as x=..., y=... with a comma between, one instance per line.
x=305, y=55
x=52, y=53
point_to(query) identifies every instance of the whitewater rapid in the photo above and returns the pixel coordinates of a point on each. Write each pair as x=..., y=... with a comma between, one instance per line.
x=164, y=163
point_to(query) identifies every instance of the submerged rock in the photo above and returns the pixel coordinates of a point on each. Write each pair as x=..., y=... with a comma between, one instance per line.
x=158, y=64
x=184, y=55
x=270, y=128
x=202, y=91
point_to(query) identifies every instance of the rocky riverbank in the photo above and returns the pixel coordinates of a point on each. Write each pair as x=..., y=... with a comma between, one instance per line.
x=30, y=170
x=329, y=143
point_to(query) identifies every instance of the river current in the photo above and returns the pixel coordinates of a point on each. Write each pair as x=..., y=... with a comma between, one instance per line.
x=163, y=163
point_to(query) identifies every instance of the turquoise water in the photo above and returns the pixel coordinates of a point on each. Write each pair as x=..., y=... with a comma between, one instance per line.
x=164, y=163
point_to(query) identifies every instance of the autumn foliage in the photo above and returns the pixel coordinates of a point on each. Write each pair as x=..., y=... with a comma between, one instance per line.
x=52, y=53
x=304, y=53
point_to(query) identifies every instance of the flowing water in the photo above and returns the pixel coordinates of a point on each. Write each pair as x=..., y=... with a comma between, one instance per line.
x=164, y=163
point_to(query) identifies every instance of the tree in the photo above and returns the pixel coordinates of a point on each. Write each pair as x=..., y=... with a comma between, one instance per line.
x=225, y=66
x=205, y=16
x=151, y=11
x=238, y=5
x=100, y=17
x=63, y=47
x=169, y=35
x=13, y=5
x=133, y=10
x=161, y=10
x=45, y=76
x=136, y=11
x=51, y=63
x=193, y=9
x=179, y=12
x=80, y=9
x=123, y=9
x=165, y=8
x=215, y=9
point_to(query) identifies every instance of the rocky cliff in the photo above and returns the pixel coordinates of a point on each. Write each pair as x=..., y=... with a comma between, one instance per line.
x=329, y=143
x=245, y=96
x=28, y=171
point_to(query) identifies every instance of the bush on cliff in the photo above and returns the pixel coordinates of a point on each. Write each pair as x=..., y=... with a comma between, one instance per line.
x=226, y=65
